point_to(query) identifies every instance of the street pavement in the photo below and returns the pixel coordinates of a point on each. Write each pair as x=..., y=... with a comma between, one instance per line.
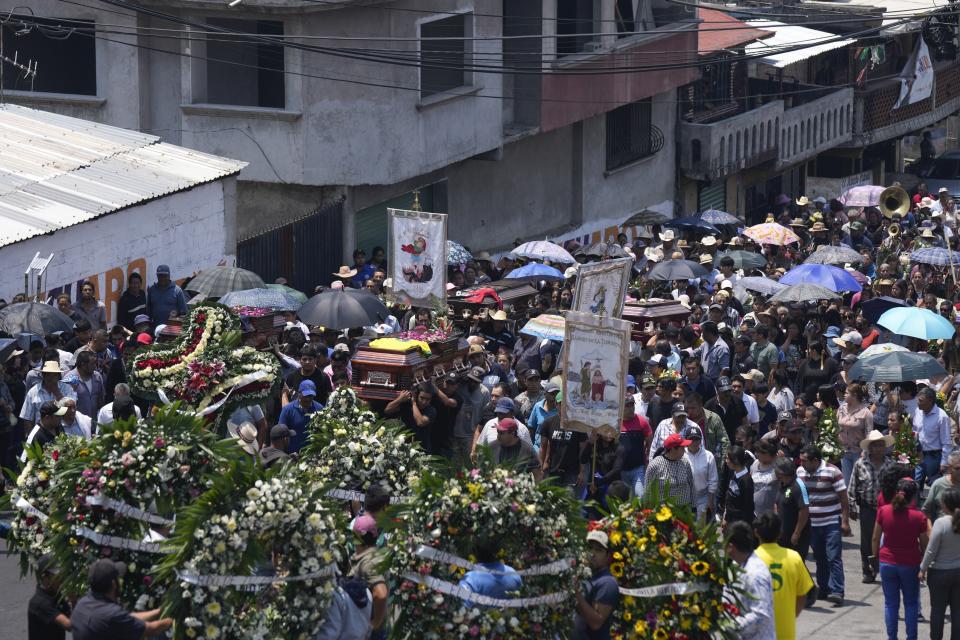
x=860, y=617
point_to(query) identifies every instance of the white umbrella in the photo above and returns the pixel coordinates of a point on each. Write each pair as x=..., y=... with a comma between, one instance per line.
x=880, y=349
x=544, y=250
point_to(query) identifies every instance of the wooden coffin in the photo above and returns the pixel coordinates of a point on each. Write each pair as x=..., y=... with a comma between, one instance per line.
x=379, y=374
x=649, y=315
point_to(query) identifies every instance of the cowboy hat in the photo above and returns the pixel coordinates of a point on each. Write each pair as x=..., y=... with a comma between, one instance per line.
x=483, y=256
x=51, y=366
x=653, y=254
x=571, y=272
x=499, y=314
x=798, y=222
x=682, y=244
x=802, y=201
x=345, y=272
x=709, y=241
x=927, y=233
x=667, y=235
x=735, y=241
x=926, y=203
x=818, y=227
x=706, y=258
x=246, y=436
x=876, y=436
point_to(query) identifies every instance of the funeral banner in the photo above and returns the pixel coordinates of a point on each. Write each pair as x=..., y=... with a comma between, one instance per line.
x=594, y=372
x=602, y=287
x=418, y=256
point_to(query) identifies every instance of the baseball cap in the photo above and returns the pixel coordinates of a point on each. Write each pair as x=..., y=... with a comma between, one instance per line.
x=531, y=374
x=163, y=270
x=364, y=524
x=832, y=332
x=141, y=319
x=145, y=338
x=281, y=430
x=647, y=381
x=307, y=388
x=599, y=537
x=692, y=433
x=452, y=377
x=507, y=425
x=476, y=374
x=723, y=384
x=784, y=416
x=657, y=361
x=551, y=387
x=679, y=409
x=103, y=572
x=675, y=440
x=50, y=408
x=716, y=307
x=631, y=381
x=505, y=405
x=47, y=564
x=850, y=337
x=341, y=347
x=756, y=375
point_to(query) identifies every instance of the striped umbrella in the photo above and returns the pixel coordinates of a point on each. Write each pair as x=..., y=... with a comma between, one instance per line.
x=771, y=233
x=935, y=256
x=219, y=281
x=546, y=326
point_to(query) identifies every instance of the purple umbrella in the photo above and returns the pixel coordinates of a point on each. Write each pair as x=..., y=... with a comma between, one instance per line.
x=825, y=275
x=863, y=196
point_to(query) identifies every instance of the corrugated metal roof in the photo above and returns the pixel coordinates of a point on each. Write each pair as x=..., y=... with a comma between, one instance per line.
x=719, y=30
x=787, y=36
x=57, y=171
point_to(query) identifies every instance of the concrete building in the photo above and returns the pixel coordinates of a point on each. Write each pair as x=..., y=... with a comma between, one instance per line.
x=518, y=119
x=107, y=202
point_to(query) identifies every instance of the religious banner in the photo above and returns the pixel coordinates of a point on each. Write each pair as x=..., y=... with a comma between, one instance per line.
x=418, y=261
x=595, y=371
x=602, y=287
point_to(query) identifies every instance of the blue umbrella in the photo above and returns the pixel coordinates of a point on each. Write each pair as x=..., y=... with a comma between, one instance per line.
x=261, y=299
x=715, y=216
x=692, y=222
x=935, y=256
x=825, y=275
x=917, y=323
x=535, y=271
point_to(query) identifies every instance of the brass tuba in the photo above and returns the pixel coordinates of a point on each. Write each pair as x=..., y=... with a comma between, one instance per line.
x=893, y=230
x=894, y=200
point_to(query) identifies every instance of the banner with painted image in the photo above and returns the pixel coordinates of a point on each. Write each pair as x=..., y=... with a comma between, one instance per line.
x=595, y=370
x=418, y=262
x=602, y=287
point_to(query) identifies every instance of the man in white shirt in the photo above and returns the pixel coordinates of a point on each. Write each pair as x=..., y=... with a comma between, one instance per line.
x=121, y=392
x=505, y=408
x=756, y=613
x=737, y=384
x=648, y=387
x=50, y=389
x=933, y=430
x=677, y=423
x=73, y=422
x=705, y=477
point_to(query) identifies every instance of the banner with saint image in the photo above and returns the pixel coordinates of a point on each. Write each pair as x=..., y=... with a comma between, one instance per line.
x=602, y=287
x=418, y=256
x=595, y=352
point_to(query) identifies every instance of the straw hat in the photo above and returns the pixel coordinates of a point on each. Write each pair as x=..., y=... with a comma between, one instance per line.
x=735, y=241
x=499, y=314
x=345, y=272
x=653, y=254
x=706, y=258
x=798, y=222
x=709, y=241
x=51, y=366
x=667, y=235
x=927, y=233
x=818, y=227
x=802, y=201
x=876, y=436
x=682, y=244
x=483, y=256
x=246, y=436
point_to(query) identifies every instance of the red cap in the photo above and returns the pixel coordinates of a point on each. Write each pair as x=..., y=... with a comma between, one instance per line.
x=675, y=440
x=144, y=338
x=507, y=425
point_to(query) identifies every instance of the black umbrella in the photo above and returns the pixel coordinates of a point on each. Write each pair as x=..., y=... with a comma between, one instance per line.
x=33, y=317
x=605, y=250
x=692, y=222
x=343, y=309
x=7, y=347
x=677, y=270
x=804, y=293
x=896, y=366
x=646, y=217
x=876, y=307
x=742, y=259
x=216, y=282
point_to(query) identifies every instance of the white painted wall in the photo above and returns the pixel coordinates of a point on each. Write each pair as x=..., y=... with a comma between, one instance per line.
x=188, y=230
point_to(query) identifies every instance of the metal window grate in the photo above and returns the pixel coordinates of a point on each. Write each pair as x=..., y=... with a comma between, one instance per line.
x=631, y=134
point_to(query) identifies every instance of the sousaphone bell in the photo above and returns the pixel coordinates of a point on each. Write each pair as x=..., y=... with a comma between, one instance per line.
x=894, y=200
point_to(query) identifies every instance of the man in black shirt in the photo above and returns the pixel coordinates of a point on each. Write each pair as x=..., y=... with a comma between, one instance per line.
x=97, y=615
x=732, y=411
x=661, y=405
x=560, y=450
x=447, y=403
x=308, y=371
x=793, y=507
x=50, y=425
x=414, y=410
x=47, y=614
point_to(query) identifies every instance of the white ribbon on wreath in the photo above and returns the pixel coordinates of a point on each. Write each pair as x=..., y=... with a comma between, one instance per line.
x=243, y=581
x=553, y=568
x=669, y=589
x=24, y=505
x=346, y=494
x=237, y=382
x=457, y=591
x=127, y=510
x=119, y=543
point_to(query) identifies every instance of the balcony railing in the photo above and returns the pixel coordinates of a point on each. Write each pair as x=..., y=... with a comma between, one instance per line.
x=711, y=151
x=810, y=128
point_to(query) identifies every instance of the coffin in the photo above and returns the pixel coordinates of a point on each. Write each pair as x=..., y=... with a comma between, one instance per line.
x=648, y=315
x=379, y=374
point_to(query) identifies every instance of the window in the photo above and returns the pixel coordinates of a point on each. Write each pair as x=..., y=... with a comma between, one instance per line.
x=630, y=133
x=443, y=55
x=575, y=26
x=245, y=71
x=65, y=53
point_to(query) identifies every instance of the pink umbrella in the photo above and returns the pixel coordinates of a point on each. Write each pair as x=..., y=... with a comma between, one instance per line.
x=863, y=196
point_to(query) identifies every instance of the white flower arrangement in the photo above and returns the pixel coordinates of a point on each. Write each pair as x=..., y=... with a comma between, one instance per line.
x=276, y=525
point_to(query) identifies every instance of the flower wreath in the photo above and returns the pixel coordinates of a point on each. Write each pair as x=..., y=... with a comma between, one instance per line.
x=206, y=368
x=828, y=439
x=539, y=532
x=247, y=523
x=32, y=496
x=671, y=572
x=132, y=479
